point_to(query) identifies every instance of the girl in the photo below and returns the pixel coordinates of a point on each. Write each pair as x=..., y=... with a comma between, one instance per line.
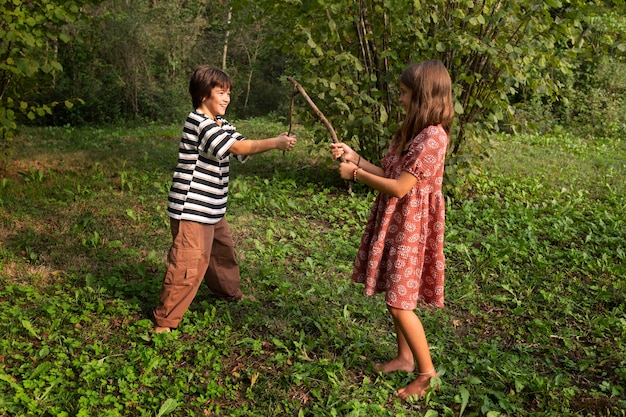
x=401, y=251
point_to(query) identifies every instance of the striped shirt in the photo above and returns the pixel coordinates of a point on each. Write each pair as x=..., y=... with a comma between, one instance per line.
x=199, y=188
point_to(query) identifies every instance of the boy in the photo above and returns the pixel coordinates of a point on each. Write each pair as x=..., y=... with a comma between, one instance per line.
x=202, y=246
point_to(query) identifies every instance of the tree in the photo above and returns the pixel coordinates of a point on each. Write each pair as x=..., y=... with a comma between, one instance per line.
x=352, y=52
x=130, y=60
x=255, y=63
x=594, y=97
x=30, y=32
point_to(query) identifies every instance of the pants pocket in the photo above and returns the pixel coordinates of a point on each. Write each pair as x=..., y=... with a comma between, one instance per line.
x=182, y=267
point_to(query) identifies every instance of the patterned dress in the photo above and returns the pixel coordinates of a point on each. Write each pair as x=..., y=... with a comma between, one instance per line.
x=401, y=251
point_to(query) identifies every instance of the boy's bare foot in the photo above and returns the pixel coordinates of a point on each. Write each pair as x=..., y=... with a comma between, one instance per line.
x=159, y=329
x=418, y=387
x=396, y=364
x=242, y=297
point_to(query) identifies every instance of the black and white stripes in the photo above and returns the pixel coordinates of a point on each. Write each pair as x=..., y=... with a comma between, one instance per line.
x=199, y=188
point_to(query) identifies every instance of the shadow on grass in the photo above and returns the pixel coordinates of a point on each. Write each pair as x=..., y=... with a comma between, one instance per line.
x=53, y=230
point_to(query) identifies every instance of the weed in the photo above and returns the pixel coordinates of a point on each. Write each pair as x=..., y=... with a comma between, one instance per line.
x=33, y=175
x=534, y=322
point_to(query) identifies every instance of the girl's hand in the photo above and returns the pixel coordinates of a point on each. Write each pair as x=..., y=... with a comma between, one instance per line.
x=342, y=150
x=286, y=142
x=346, y=170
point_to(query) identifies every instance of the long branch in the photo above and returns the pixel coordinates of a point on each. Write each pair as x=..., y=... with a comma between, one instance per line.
x=323, y=118
x=293, y=96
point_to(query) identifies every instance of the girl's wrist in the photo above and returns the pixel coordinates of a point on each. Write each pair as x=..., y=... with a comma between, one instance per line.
x=358, y=162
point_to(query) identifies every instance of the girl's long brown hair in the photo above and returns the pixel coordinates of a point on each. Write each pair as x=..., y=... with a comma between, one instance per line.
x=431, y=101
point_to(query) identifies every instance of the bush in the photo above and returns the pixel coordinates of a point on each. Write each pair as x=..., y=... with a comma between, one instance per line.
x=592, y=103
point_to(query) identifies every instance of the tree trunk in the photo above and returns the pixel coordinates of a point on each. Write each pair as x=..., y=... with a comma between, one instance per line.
x=225, y=52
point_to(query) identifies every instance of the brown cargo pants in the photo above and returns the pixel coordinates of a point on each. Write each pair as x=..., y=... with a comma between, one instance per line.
x=199, y=252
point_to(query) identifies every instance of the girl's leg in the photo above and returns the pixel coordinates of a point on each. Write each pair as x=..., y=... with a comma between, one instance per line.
x=410, y=326
x=404, y=361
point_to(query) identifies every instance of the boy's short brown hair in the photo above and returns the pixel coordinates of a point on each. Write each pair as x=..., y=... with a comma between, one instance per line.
x=203, y=80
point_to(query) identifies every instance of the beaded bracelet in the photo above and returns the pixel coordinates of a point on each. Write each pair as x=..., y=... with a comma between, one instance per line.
x=354, y=173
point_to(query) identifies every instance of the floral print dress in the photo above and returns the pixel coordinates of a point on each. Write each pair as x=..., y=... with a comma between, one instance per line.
x=401, y=251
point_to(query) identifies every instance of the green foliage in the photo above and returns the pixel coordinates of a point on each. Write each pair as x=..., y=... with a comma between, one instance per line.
x=130, y=61
x=550, y=61
x=351, y=54
x=601, y=102
x=30, y=35
x=591, y=99
x=144, y=74
x=534, y=322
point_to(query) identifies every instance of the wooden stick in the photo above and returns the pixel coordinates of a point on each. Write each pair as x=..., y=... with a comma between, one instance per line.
x=323, y=118
x=293, y=96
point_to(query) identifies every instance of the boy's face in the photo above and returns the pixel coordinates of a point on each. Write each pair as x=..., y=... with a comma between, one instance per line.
x=218, y=102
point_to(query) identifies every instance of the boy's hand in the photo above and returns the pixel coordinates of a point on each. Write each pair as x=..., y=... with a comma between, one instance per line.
x=286, y=142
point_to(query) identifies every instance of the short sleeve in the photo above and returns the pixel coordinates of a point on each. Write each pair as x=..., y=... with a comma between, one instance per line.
x=426, y=154
x=235, y=135
x=216, y=140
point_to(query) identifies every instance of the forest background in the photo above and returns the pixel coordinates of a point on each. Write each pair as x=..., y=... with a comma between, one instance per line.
x=517, y=65
x=92, y=97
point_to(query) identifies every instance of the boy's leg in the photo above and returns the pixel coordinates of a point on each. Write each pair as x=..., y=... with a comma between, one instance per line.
x=222, y=275
x=187, y=261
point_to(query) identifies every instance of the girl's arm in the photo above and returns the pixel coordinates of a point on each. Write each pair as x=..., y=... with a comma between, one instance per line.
x=370, y=168
x=394, y=187
x=343, y=150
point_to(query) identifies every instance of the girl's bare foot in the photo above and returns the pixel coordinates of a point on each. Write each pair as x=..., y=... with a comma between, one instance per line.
x=419, y=386
x=396, y=364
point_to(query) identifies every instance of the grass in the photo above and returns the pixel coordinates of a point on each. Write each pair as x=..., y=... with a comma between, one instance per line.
x=534, y=322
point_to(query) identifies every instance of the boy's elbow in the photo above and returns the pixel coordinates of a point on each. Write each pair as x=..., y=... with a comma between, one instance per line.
x=238, y=148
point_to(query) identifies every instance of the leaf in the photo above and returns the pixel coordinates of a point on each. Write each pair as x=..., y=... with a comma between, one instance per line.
x=29, y=326
x=383, y=114
x=464, y=399
x=553, y=3
x=168, y=406
x=41, y=369
x=254, y=378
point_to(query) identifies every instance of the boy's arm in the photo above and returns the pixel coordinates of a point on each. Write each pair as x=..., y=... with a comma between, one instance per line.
x=252, y=147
